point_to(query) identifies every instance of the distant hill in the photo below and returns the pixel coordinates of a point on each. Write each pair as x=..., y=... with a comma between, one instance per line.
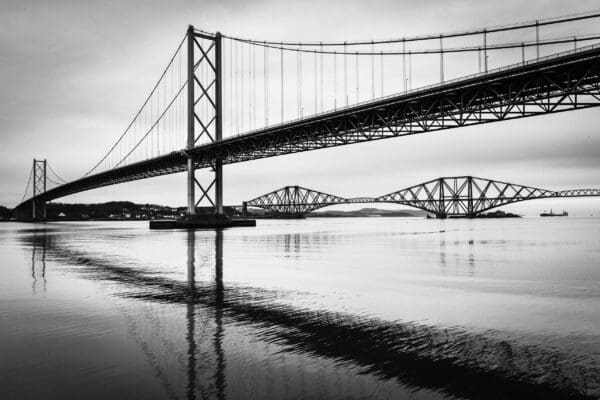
x=130, y=210
x=111, y=210
x=369, y=212
x=5, y=213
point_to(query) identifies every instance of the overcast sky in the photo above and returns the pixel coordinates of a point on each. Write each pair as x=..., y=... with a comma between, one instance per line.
x=72, y=73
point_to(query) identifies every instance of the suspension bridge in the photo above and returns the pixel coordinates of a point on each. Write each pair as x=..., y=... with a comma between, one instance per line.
x=224, y=99
x=459, y=196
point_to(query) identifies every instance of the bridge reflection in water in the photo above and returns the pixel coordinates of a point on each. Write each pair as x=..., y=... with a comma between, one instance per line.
x=349, y=351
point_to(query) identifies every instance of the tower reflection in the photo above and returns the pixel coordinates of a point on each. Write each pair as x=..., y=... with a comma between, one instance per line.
x=192, y=299
x=219, y=306
x=38, y=251
x=191, y=319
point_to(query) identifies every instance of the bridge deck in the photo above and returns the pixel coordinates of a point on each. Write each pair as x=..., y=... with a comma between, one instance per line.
x=562, y=82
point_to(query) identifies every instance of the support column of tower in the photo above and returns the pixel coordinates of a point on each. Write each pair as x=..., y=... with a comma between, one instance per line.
x=191, y=135
x=470, y=211
x=219, y=124
x=442, y=201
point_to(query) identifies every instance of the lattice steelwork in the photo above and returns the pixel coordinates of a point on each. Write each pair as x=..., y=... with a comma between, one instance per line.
x=463, y=195
x=295, y=200
x=460, y=196
x=360, y=200
x=579, y=193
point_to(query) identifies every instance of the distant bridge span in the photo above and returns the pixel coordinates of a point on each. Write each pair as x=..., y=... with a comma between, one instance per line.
x=459, y=196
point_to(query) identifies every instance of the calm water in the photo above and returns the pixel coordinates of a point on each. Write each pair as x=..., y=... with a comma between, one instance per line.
x=313, y=309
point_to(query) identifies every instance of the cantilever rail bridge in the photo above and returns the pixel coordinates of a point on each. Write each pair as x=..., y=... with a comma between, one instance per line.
x=564, y=81
x=458, y=196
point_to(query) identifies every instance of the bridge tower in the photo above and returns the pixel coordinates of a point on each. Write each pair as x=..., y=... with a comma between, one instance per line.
x=209, y=55
x=442, y=202
x=470, y=211
x=204, y=110
x=38, y=207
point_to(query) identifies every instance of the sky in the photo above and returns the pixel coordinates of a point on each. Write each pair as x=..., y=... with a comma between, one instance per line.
x=73, y=73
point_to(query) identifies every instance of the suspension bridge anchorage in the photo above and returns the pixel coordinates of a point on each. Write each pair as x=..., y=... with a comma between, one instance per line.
x=454, y=197
x=211, y=85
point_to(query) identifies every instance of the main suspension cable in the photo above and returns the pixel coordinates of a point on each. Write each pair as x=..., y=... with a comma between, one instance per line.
x=142, y=107
x=153, y=125
x=465, y=49
x=52, y=181
x=478, y=31
x=55, y=174
x=28, y=184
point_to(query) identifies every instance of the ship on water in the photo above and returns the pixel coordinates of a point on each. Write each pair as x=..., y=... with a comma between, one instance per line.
x=551, y=214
